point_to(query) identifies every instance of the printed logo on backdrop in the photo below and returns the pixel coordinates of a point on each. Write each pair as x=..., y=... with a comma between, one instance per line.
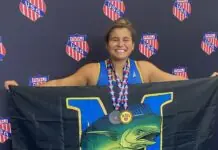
x=182, y=9
x=209, y=43
x=149, y=45
x=38, y=80
x=33, y=9
x=180, y=71
x=114, y=9
x=2, y=50
x=77, y=46
x=5, y=130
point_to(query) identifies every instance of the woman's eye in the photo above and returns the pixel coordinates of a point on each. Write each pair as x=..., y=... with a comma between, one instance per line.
x=114, y=39
x=126, y=39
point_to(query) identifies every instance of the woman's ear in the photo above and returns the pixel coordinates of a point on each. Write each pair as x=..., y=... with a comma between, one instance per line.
x=133, y=46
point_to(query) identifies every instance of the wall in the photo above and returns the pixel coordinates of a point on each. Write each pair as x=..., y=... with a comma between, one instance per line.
x=38, y=47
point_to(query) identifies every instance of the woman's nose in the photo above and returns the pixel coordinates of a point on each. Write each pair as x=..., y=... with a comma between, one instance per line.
x=120, y=43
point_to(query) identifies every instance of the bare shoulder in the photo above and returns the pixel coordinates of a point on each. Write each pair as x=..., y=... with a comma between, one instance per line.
x=88, y=67
x=145, y=65
x=154, y=74
x=90, y=72
x=86, y=75
x=145, y=68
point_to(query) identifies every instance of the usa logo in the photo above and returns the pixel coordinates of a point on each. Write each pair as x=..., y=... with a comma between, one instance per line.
x=209, y=43
x=148, y=45
x=5, y=130
x=33, y=9
x=2, y=50
x=182, y=9
x=180, y=71
x=38, y=80
x=114, y=9
x=77, y=46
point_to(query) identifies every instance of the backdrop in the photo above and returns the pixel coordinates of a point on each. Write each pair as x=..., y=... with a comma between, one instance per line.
x=47, y=39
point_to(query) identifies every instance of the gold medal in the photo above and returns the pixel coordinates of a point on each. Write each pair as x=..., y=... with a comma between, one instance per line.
x=126, y=117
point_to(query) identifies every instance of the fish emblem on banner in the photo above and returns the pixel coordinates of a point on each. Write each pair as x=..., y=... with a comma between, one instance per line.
x=5, y=130
x=148, y=45
x=2, y=50
x=209, y=43
x=114, y=9
x=33, y=9
x=180, y=71
x=77, y=46
x=38, y=80
x=182, y=9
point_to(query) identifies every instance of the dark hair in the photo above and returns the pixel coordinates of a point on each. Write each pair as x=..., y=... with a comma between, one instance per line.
x=121, y=23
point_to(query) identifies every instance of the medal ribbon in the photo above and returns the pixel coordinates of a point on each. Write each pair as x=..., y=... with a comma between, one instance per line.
x=123, y=85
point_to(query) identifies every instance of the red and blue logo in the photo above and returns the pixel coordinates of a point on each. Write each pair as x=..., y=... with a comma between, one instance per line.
x=209, y=43
x=182, y=9
x=2, y=50
x=148, y=45
x=38, y=80
x=33, y=9
x=5, y=130
x=114, y=9
x=180, y=71
x=77, y=46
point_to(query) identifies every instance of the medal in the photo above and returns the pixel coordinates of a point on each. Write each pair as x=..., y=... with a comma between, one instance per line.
x=126, y=117
x=114, y=117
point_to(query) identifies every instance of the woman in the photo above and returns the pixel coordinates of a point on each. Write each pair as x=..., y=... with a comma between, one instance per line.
x=120, y=42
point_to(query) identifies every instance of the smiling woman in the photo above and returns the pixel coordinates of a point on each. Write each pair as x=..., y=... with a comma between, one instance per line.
x=120, y=43
x=117, y=70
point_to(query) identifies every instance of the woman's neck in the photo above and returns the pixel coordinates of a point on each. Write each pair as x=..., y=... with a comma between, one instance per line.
x=118, y=67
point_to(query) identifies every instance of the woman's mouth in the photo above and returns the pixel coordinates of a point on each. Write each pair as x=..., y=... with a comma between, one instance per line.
x=120, y=50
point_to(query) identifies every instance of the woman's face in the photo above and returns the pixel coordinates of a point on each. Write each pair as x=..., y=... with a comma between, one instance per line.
x=120, y=44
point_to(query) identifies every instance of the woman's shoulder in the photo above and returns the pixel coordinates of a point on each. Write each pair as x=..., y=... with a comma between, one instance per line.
x=91, y=66
x=146, y=66
x=144, y=63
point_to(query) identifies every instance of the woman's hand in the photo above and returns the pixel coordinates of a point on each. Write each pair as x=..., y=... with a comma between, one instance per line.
x=10, y=83
x=214, y=74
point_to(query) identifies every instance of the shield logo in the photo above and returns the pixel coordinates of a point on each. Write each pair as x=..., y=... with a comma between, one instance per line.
x=33, y=9
x=209, y=43
x=37, y=80
x=148, y=45
x=182, y=9
x=77, y=46
x=114, y=9
x=5, y=130
x=2, y=50
x=180, y=71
